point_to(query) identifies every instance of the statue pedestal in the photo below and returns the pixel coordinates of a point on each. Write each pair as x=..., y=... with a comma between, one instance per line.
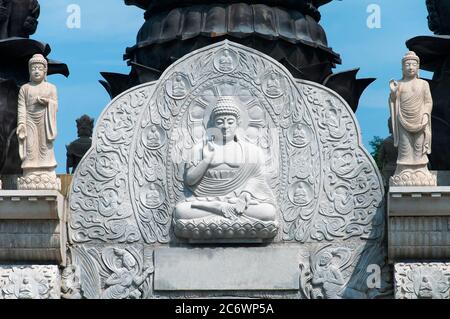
x=418, y=229
x=32, y=227
x=413, y=175
x=222, y=230
x=39, y=180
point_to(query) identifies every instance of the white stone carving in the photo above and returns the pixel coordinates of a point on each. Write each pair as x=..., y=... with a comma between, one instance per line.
x=99, y=201
x=36, y=128
x=325, y=186
x=308, y=135
x=227, y=179
x=29, y=282
x=70, y=283
x=422, y=281
x=114, y=272
x=411, y=104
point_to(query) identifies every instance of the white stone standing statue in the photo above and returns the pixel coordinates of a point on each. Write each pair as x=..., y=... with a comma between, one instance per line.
x=410, y=105
x=36, y=129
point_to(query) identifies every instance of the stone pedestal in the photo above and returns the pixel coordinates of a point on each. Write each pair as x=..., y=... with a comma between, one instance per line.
x=419, y=230
x=413, y=175
x=43, y=180
x=32, y=227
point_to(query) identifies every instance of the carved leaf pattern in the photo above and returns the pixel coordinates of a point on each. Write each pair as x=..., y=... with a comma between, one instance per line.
x=99, y=201
x=351, y=194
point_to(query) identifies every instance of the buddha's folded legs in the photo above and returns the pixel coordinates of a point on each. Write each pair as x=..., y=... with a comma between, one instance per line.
x=200, y=209
x=264, y=212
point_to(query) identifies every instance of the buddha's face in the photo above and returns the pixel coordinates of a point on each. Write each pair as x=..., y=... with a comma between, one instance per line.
x=37, y=72
x=227, y=124
x=410, y=68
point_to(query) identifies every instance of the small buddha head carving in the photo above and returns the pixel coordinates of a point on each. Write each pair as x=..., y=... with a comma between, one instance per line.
x=37, y=67
x=411, y=65
x=225, y=116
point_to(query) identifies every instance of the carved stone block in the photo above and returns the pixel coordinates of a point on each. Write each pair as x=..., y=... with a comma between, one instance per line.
x=422, y=281
x=30, y=282
x=274, y=268
x=32, y=226
x=291, y=161
x=419, y=220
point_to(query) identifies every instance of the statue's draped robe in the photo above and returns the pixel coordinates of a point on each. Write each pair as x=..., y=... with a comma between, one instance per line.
x=409, y=111
x=247, y=178
x=36, y=150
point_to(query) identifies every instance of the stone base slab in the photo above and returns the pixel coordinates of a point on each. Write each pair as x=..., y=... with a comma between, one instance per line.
x=32, y=227
x=215, y=269
x=419, y=223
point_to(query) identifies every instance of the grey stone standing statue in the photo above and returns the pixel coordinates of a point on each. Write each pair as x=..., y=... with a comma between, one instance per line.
x=36, y=128
x=410, y=105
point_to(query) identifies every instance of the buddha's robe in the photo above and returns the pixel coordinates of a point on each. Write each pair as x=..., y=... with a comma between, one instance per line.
x=36, y=150
x=225, y=184
x=411, y=123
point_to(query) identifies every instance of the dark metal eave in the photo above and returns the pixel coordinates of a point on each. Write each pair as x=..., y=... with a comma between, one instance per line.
x=432, y=50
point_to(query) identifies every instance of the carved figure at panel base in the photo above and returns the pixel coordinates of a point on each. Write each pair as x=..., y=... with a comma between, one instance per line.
x=70, y=283
x=410, y=105
x=36, y=129
x=230, y=196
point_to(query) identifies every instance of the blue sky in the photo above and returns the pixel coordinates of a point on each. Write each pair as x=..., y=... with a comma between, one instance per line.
x=108, y=27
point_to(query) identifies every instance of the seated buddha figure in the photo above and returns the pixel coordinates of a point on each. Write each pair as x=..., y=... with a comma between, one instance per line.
x=226, y=177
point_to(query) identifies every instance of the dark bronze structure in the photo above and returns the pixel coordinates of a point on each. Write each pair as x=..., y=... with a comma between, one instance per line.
x=18, y=18
x=79, y=147
x=287, y=30
x=434, y=53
